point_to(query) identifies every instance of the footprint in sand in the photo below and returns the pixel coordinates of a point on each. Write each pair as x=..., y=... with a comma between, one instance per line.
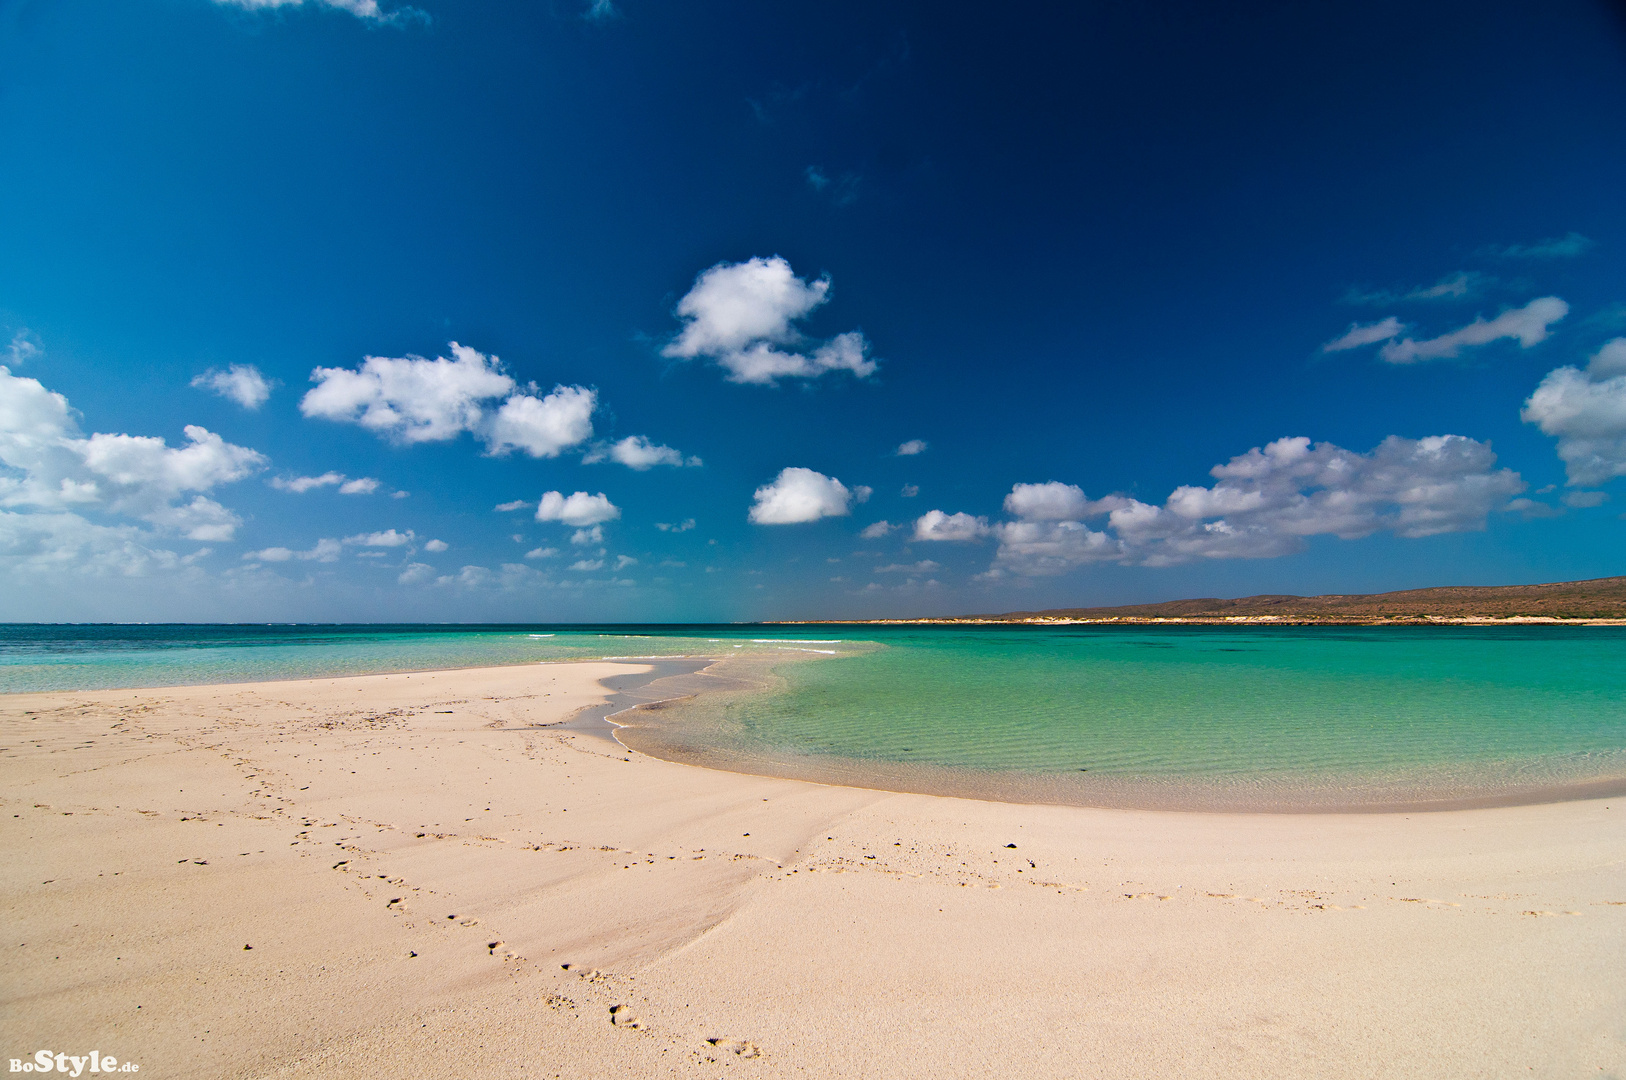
x=736, y=1046
x=589, y=974
x=621, y=1016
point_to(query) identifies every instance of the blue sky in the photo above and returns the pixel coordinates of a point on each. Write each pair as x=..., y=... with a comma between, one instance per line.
x=753, y=311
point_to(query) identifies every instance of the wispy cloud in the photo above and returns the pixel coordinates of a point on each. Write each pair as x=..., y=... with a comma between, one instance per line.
x=924, y=566
x=366, y=10
x=1368, y=334
x=1458, y=286
x=241, y=383
x=842, y=190
x=325, y=551
x=1556, y=247
x=298, y=485
x=1529, y=325
x=25, y=346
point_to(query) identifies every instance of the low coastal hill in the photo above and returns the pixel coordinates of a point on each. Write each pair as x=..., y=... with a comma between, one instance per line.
x=1598, y=600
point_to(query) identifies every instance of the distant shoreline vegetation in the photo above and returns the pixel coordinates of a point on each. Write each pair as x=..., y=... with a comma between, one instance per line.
x=1596, y=602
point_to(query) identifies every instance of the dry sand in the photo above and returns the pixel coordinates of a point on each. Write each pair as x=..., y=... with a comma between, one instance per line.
x=414, y=863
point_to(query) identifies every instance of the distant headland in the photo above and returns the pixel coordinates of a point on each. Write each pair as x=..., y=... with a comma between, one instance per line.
x=1600, y=601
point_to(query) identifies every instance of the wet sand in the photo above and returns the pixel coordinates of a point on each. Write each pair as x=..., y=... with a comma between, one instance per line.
x=429, y=874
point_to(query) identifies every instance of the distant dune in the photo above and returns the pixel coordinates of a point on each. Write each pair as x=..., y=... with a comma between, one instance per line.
x=1601, y=599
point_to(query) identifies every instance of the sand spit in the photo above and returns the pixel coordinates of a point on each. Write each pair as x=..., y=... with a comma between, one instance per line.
x=437, y=874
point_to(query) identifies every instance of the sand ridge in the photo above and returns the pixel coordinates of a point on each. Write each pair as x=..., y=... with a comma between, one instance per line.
x=413, y=875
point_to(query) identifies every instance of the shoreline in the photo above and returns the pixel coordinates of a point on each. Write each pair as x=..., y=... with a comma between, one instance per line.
x=1225, y=620
x=688, y=677
x=382, y=875
x=1017, y=788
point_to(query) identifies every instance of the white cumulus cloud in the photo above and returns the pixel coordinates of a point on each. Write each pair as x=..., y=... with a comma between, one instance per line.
x=56, y=542
x=387, y=539
x=301, y=484
x=415, y=574
x=638, y=453
x=1052, y=501
x=200, y=519
x=1265, y=502
x=1528, y=325
x=410, y=399
x=579, y=509
x=543, y=427
x=436, y=546
x=47, y=464
x=936, y=525
x=877, y=530
x=912, y=447
x=1585, y=410
x=799, y=495
x=241, y=383
x=1048, y=547
x=741, y=315
x=413, y=400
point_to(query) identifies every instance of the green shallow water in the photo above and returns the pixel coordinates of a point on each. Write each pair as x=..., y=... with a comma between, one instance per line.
x=1178, y=716
x=1192, y=715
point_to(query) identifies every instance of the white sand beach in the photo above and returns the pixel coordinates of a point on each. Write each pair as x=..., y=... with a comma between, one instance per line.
x=408, y=875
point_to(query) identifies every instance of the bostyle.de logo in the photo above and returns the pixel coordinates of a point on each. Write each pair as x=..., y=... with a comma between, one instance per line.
x=94, y=1062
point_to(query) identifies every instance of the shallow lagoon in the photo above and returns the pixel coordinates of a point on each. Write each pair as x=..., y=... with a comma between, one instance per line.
x=1190, y=716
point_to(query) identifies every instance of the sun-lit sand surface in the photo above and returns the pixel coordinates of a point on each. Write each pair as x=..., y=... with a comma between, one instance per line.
x=405, y=876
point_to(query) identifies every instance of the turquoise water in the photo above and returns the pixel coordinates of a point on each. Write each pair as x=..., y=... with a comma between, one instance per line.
x=103, y=657
x=1135, y=715
x=1190, y=716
